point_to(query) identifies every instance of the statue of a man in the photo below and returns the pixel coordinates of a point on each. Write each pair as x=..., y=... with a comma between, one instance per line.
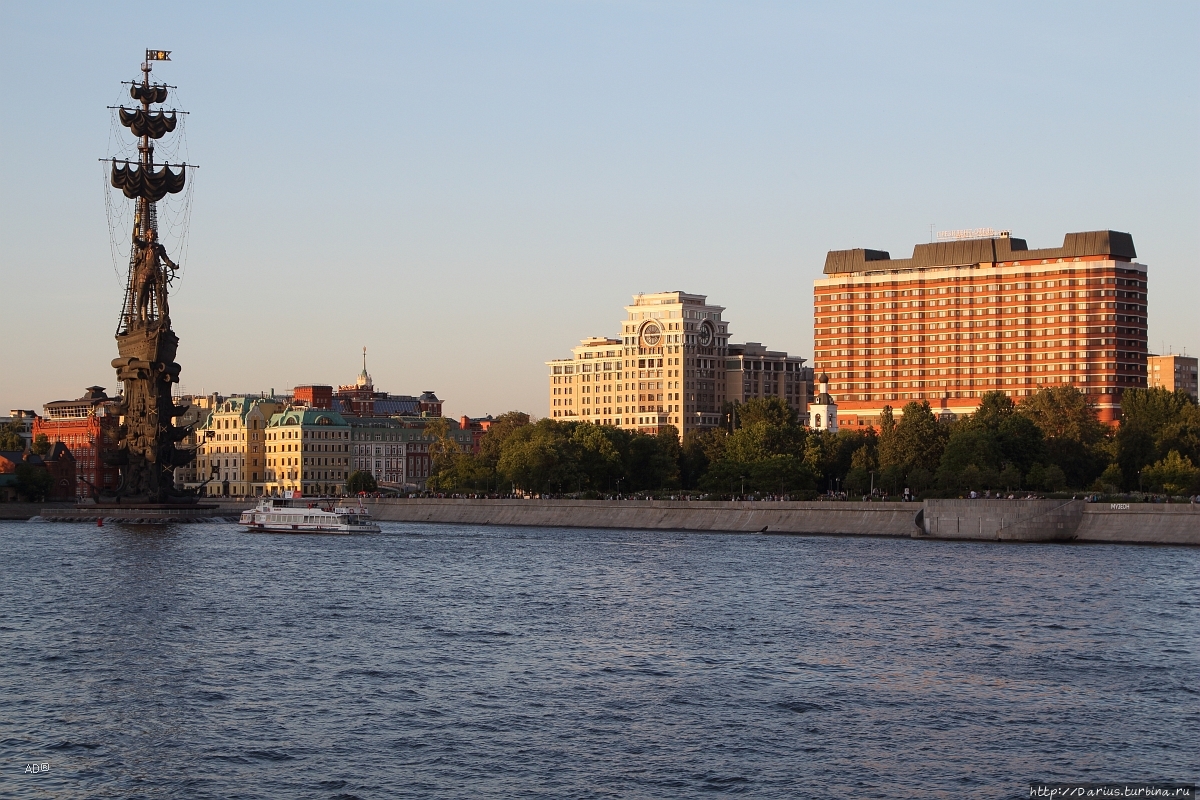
x=149, y=278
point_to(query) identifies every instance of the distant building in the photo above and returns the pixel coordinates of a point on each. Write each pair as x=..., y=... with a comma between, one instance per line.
x=976, y=314
x=753, y=371
x=58, y=462
x=231, y=455
x=361, y=399
x=667, y=368
x=314, y=396
x=197, y=410
x=1172, y=372
x=88, y=427
x=478, y=426
x=396, y=450
x=307, y=451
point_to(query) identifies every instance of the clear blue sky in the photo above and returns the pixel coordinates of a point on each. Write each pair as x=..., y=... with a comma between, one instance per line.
x=469, y=189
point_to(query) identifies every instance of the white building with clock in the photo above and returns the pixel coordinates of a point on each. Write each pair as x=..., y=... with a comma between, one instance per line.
x=666, y=368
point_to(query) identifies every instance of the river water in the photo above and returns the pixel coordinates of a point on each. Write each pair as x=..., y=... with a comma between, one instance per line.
x=480, y=662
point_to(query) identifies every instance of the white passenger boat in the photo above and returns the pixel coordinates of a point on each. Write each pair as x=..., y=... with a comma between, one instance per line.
x=278, y=515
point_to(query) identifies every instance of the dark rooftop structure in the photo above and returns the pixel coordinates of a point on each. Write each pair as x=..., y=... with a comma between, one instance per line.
x=966, y=252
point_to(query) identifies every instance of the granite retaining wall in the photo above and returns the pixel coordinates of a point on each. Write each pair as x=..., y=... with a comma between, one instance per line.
x=849, y=519
x=990, y=520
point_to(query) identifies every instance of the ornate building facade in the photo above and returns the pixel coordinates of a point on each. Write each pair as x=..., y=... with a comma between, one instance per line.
x=666, y=368
x=673, y=364
x=231, y=459
x=90, y=429
x=307, y=451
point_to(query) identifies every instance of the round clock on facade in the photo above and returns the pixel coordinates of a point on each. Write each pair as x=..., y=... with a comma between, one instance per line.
x=651, y=334
x=705, y=337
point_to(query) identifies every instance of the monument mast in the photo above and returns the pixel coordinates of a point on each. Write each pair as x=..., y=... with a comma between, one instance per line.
x=146, y=451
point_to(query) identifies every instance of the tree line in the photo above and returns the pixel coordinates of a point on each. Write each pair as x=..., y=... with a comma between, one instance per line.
x=1051, y=441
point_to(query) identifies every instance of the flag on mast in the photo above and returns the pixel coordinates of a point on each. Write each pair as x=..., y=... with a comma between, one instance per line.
x=158, y=55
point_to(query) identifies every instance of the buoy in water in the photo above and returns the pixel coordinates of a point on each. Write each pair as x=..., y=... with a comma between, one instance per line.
x=100, y=522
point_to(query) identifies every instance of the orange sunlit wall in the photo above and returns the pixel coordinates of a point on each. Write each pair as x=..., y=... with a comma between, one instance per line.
x=949, y=334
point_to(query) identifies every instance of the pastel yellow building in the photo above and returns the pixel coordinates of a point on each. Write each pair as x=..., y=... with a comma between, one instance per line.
x=231, y=454
x=308, y=451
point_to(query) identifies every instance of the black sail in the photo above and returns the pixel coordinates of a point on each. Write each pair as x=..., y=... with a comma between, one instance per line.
x=154, y=124
x=148, y=94
x=153, y=185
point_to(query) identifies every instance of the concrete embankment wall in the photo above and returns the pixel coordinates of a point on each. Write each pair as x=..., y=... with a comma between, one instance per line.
x=1061, y=520
x=1141, y=523
x=850, y=519
x=1002, y=520
x=994, y=520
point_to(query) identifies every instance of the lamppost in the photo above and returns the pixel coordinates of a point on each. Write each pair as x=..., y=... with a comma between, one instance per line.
x=619, y=487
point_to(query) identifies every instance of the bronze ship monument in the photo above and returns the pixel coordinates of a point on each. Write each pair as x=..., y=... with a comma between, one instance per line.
x=148, y=449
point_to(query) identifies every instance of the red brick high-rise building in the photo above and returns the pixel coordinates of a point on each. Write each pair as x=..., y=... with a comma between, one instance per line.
x=981, y=313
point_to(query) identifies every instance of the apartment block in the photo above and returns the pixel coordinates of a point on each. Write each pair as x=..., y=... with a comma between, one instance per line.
x=752, y=371
x=666, y=368
x=978, y=313
x=1173, y=372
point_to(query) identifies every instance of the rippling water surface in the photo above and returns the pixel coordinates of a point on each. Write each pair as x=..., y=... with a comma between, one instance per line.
x=442, y=661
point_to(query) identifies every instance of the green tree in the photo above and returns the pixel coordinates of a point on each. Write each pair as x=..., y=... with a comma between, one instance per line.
x=492, y=442
x=41, y=444
x=536, y=457
x=769, y=410
x=1053, y=478
x=1153, y=423
x=361, y=481
x=1063, y=412
x=652, y=463
x=887, y=424
x=443, y=447
x=598, y=450
x=700, y=450
x=34, y=483
x=863, y=458
x=1010, y=477
x=970, y=446
x=1020, y=441
x=917, y=440
x=10, y=437
x=1110, y=480
x=1174, y=474
x=1073, y=433
x=857, y=481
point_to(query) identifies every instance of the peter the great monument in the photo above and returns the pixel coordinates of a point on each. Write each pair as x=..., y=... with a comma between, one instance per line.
x=147, y=447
